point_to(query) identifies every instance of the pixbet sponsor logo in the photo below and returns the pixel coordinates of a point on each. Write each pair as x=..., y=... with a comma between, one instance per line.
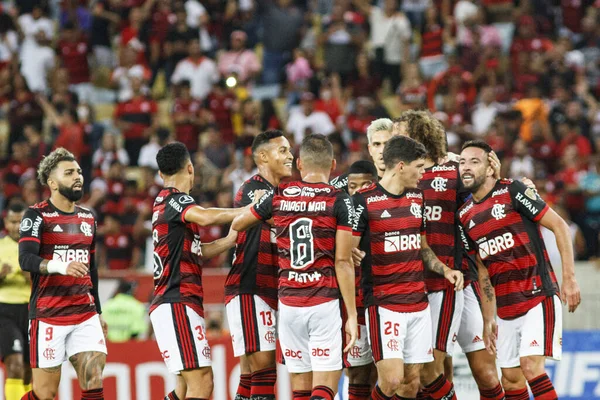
x=443, y=168
x=373, y=199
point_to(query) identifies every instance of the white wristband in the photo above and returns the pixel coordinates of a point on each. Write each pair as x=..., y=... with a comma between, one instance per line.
x=57, y=267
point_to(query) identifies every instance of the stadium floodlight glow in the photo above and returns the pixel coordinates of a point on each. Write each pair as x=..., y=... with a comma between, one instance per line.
x=231, y=82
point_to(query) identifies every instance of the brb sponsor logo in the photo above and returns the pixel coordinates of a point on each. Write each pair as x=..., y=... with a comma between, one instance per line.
x=493, y=246
x=64, y=254
x=433, y=213
x=289, y=353
x=395, y=242
x=320, y=352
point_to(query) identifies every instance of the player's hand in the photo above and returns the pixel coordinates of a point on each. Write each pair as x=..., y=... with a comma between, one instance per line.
x=452, y=157
x=456, y=278
x=104, y=326
x=5, y=270
x=570, y=294
x=529, y=183
x=351, y=332
x=490, y=335
x=495, y=164
x=357, y=256
x=77, y=269
x=232, y=236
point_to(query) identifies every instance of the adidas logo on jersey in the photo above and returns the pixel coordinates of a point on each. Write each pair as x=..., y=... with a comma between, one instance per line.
x=471, y=224
x=477, y=339
x=385, y=214
x=57, y=228
x=534, y=344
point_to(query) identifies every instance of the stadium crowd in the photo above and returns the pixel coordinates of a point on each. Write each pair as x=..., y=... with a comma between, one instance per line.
x=114, y=80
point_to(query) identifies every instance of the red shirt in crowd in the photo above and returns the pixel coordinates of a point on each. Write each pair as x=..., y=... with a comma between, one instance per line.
x=74, y=56
x=187, y=132
x=220, y=105
x=139, y=112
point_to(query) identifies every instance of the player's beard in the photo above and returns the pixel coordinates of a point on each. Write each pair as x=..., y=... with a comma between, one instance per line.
x=70, y=193
x=477, y=182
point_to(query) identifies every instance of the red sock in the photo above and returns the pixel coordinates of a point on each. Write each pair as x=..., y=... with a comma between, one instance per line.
x=358, y=392
x=377, y=394
x=93, y=394
x=301, y=394
x=542, y=388
x=263, y=383
x=322, y=393
x=441, y=388
x=519, y=394
x=30, y=396
x=243, y=391
x=172, y=396
x=496, y=393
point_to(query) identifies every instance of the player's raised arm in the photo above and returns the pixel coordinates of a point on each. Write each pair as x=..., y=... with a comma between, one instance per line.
x=254, y=214
x=216, y=247
x=212, y=216
x=434, y=264
x=344, y=267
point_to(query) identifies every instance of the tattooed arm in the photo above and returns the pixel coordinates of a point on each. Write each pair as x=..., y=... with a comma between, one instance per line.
x=433, y=263
x=488, y=307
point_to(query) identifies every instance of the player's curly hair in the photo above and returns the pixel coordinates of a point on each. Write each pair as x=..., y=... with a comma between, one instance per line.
x=51, y=161
x=426, y=129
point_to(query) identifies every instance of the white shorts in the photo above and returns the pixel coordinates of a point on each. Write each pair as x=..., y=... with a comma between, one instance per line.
x=360, y=354
x=446, y=310
x=537, y=333
x=312, y=338
x=470, y=333
x=181, y=337
x=400, y=335
x=51, y=345
x=252, y=324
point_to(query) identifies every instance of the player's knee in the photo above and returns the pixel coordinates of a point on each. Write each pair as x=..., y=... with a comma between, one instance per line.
x=359, y=375
x=411, y=383
x=486, y=376
x=390, y=383
x=532, y=367
x=431, y=371
x=513, y=379
x=202, y=380
x=15, y=367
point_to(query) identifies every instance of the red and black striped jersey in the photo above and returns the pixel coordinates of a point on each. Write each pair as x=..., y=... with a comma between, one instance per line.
x=443, y=192
x=177, y=252
x=306, y=218
x=50, y=234
x=390, y=227
x=255, y=267
x=503, y=229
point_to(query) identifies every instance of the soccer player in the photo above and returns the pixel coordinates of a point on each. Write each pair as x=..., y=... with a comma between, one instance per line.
x=378, y=133
x=390, y=228
x=57, y=246
x=501, y=223
x=361, y=370
x=177, y=312
x=251, y=286
x=15, y=287
x=456, y=316
x=313, y=223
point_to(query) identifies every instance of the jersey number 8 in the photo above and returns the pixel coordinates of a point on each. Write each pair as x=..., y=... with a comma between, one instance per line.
x=301, y=243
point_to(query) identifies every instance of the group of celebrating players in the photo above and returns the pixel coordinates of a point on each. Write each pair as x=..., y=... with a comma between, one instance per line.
x=380, y=271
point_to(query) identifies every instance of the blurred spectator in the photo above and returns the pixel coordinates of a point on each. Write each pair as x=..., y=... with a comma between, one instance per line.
x=306, y=120
x=110, y=149
x=221, y=102
x=214, y=149
x=149, y=151
x=65, y=121
x=105, y=15
x=521, y=164
x=177, y=41
x=23, y=109
x=198, y=18
x=239, y=63
x=298, y=73
x=282, y=26
x=74, y=49
x=435, y=35
x=485, y=111
x=38, y=147
x=136, y=118
x=124, y=315
x=128, y=70
x=200, y=71
x=19, y=166
x=239, y=172
x=119, y=250
x=188, y=116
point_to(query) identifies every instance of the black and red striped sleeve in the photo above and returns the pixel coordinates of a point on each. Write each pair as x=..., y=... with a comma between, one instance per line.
x=527, y=201
x=343, y=209
x=177, y=205
x=32, y=226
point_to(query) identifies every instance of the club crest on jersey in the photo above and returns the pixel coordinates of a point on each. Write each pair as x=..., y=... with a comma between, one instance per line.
x=531, y=193
x=86, y=229
x=498, y=211
x=415, y=209
x=439, y=184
